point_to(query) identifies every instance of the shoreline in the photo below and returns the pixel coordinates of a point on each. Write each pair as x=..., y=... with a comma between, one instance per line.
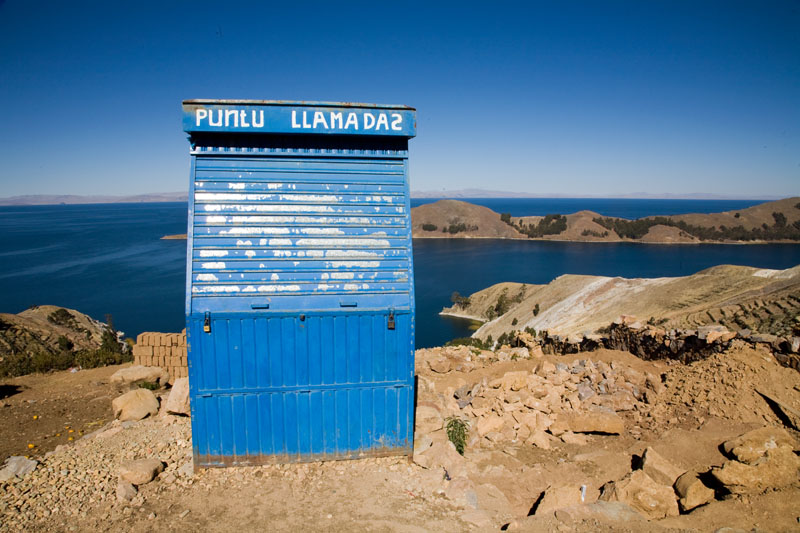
x=444, y=312
x=621, y=241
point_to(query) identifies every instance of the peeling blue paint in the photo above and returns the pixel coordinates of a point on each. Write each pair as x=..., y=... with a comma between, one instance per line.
x=298, y=256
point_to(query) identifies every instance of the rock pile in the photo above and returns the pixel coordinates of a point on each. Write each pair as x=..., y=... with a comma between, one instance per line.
x=533, y=407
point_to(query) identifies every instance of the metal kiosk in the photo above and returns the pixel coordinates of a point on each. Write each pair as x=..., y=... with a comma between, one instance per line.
x=299, y=281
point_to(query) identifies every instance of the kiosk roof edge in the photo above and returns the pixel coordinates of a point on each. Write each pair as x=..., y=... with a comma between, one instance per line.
x=295, y=103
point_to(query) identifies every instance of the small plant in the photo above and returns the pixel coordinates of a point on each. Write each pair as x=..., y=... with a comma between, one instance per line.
x=514, y=322
x=536, y=310
x=149, y=385
x=457, y=431
x=429, y=227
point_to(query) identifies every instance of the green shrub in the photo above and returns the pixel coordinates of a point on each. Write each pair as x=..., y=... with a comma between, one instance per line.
x=549, y=225
x=64, y=344
x=61, y=317
x=457, y=432
x=458, y=300
x=149, y=385
x=635, y=229
x=47, y=362
x=430, y=227
x=97, y=358
x=16, y=365
x=470, y=341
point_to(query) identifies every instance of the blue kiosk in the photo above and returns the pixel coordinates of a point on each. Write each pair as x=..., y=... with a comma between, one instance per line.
x=299, y=281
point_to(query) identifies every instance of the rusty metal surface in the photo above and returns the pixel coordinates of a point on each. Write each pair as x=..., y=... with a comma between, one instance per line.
x=222, y=461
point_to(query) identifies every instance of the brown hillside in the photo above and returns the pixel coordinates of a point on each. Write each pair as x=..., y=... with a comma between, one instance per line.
x=752, y=217
x=667, y=234
x=480, y=222
x=581, y=226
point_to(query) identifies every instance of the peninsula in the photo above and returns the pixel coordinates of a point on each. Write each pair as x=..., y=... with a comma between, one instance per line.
x=777, y=221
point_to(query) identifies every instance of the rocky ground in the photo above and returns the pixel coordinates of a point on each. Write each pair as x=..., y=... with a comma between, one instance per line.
x=593, y=441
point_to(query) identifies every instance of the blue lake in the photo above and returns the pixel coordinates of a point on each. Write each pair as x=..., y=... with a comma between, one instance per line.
x=109, y=258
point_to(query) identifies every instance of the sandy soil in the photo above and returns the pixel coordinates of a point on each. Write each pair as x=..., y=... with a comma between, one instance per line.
x=51, y=409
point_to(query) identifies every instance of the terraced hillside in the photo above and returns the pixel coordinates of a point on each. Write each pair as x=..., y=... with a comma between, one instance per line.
x=766, y=301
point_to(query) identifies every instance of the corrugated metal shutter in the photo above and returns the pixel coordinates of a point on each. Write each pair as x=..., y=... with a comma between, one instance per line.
x=332, y=231
x=301, y=268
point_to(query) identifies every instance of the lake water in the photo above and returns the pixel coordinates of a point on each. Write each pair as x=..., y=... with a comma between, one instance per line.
x=109, y=258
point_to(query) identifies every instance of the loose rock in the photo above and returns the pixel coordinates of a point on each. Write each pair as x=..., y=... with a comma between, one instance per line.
x=776, y=469
x=752, y=446
x=692, y=492
x=140, y=471
x=558, y=498
x=125, y=491
x=178, y=400
x=638, y=490
x=17, y=466
x=659, y=469
x=135, y=405
x=140, y=374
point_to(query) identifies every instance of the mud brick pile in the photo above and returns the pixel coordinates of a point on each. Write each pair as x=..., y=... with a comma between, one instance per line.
x=167, y=350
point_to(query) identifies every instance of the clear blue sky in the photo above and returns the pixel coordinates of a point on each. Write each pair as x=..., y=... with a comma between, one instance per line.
x=582, y=98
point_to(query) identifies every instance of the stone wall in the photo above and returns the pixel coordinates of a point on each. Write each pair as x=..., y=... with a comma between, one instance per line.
x=166, y=350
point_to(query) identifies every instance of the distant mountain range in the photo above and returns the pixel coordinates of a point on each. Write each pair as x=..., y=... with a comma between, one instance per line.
x=72, y=199
x=485, y=193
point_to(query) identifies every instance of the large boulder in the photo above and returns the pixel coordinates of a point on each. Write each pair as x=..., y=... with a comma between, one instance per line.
x=777, y=468
x=692, y=492
x=140, y=471
x=752, y=446
x=595, y=422
x=140, y=374
x=178, y=399
x=638, y=490
x=135, y=405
